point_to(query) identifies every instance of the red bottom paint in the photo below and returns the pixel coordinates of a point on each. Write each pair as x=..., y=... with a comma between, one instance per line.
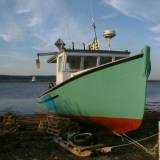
x=119, y=125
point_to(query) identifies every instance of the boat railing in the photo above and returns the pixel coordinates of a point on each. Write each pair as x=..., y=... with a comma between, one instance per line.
x=51, y=85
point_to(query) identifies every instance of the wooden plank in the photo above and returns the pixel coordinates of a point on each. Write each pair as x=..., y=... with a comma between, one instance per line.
x=74, y=150
x=81, y=151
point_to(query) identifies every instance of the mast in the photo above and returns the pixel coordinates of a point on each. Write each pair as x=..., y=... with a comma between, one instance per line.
x=94, y=29
x=94, y=45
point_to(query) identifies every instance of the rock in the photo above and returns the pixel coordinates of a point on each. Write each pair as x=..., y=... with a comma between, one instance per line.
x=9, y=123
x=55, y=158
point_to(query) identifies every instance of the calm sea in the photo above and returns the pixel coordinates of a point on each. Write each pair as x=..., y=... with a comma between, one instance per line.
x=21, y=97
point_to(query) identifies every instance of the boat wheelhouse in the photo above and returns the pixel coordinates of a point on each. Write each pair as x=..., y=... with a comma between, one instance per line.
x=71, y=62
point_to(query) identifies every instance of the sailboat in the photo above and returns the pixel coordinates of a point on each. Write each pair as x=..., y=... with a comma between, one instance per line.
x=100, y=87
x=33, y=78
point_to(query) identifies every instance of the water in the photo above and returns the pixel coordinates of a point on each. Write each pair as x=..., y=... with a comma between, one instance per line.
x=21, y=97
x=153, y=96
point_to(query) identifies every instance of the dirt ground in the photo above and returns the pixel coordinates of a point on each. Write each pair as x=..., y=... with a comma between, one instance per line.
x=29, y=144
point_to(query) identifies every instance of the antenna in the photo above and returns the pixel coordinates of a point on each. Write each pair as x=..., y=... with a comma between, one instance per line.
x=94, y=28
x=109, y=34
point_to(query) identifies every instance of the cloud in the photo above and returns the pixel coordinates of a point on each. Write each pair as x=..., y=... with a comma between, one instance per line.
x=155, y=29
x=39, y=23
x=47, y=22
x=10, y=29
x=12, y=32
x=6, y=37
x=38, y=11
x=66, y=29
x=23, y=6
x=143, y=9
x=61, y=25
x=109, y=16
x=30, y=9
x=157, y=39
x=34, y=20
x=23, y=10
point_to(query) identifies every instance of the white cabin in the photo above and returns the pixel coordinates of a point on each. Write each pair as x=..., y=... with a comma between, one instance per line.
x=71, y=62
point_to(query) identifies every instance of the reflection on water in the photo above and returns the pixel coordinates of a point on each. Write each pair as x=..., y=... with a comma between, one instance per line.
x=21, y=97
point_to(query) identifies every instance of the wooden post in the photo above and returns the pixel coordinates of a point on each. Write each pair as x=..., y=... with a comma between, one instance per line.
x=159, y=140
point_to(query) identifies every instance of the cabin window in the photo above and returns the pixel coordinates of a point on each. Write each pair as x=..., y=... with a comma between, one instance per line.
x=104, y=60
x=73, y=63
x=60, y=64
x=118, y=58
x=90, y=61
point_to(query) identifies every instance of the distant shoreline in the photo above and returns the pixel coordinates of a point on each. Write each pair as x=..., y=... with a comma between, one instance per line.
x=153, y=80
x=39, y=78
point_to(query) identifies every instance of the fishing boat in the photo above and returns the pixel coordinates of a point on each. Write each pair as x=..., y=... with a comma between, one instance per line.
x=101, y=87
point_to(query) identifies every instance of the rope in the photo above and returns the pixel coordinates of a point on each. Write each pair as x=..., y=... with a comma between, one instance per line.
x=140, y=140
x=135, y=142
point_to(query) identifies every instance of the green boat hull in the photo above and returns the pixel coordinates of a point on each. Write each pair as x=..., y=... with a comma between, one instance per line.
x=111, y=95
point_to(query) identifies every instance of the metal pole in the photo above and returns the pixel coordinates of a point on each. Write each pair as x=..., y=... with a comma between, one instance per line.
x=109, y=44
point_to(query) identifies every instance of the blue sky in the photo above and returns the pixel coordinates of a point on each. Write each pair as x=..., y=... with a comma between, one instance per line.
x=31, y=26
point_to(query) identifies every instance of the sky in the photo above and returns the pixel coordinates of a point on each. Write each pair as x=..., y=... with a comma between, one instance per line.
x=31, y=26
